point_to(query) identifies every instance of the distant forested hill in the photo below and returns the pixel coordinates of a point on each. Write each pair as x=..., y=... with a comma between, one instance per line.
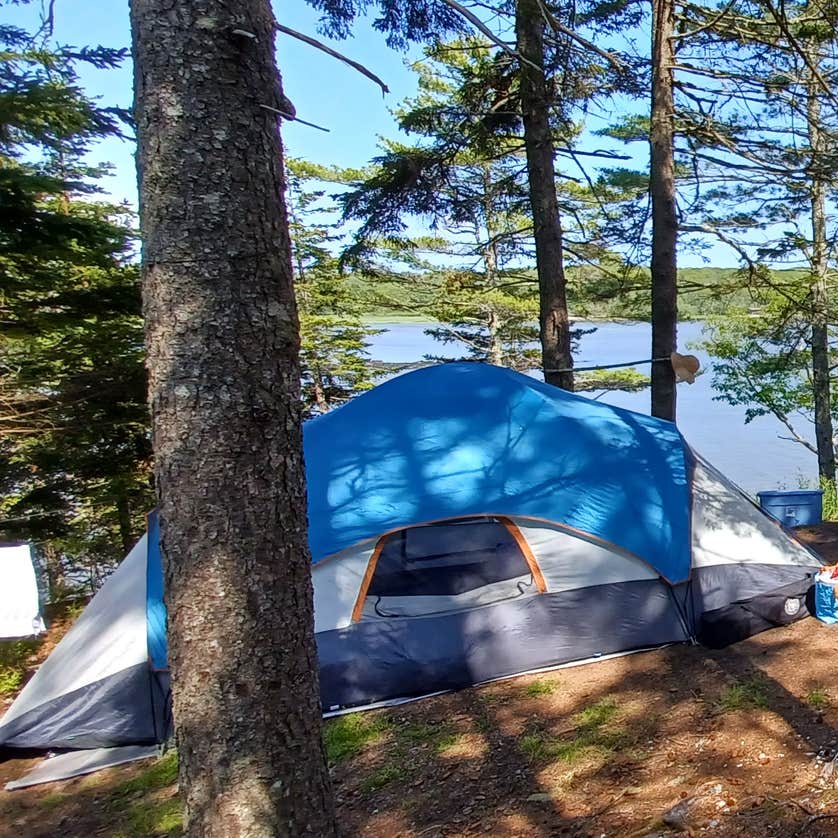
x=704, y=292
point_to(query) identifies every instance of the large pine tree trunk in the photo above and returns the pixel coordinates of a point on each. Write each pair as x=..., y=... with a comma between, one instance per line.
x=222, y=340
x=664, y=211
x=538, y=140
x=820, y=293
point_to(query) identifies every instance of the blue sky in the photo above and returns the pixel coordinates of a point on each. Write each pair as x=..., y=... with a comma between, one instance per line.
x=324, y=90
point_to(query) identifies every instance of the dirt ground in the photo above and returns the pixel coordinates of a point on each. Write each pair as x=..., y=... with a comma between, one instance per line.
x=681, y=740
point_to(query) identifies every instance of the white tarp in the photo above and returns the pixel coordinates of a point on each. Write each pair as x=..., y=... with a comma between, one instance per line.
x=76, y=763
x=20, y=613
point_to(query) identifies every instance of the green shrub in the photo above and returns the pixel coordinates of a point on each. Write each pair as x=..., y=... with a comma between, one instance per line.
x=830, y=500
x=14, y=658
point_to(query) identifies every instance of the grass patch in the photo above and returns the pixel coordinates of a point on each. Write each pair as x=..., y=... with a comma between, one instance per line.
x=14, y=657
x=577, y=749
x=818, y=697
x=161, y=773
x=536, y=746
x=69, y=608
x=382, y=777
x=417, y=733
x=152, y=817
x=484, y=724
x=536, y=689
x=144, y=805
x=56, y=798
x=596, y=715
x=744, y=695
x=448, y=740
x=539, y=747
x=439, y=735
x=592, y=737
x=495, y=696
x=346, y=736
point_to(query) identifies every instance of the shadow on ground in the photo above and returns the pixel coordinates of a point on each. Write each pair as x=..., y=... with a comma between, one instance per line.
x=736, y=743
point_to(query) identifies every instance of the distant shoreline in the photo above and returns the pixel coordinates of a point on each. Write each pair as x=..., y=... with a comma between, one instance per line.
x=420, y=320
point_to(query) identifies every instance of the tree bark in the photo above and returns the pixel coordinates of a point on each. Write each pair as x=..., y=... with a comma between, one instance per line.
x=819, y=291
x=222, y=339
x=495, y=343
x=538, y=140
x=664, y=211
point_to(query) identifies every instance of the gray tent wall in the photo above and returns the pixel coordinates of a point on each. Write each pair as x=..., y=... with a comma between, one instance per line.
x=738, y=552
x=96, y=688
x=748, y=573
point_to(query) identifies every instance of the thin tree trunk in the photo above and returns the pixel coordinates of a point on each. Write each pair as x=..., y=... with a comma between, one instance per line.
x=495, y=342
x=554, y=322
x=319, y=392
x=222, y=338
x=490, y=268
x=56, y=580
x=819, y=293
x=123, y=511
x=664, y=211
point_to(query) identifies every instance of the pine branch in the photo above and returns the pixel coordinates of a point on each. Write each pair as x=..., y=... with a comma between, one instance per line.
x=484, y=30
x=557, y=26
x=782, y=23
x=334, y=53
x=710, y=24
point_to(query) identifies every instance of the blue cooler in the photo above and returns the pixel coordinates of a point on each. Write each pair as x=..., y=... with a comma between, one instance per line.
x=794, y=509
x=826, y=609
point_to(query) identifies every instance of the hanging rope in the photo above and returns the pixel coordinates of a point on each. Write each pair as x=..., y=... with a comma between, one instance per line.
x=613, y=366
x=685, y=367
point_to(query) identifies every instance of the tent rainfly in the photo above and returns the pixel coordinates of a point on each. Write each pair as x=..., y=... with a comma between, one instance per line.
x=467, y=523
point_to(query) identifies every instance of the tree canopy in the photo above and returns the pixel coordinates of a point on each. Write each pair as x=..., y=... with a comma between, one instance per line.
x=73, y=419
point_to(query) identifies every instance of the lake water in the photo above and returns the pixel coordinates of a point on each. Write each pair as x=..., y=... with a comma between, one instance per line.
x=752, y=455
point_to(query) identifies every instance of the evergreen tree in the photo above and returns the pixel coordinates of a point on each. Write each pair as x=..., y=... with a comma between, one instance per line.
x=75, y=450
x=334, y=362
x=763, y=134
x=466, y=175
x=543, y=80
x=664, y=211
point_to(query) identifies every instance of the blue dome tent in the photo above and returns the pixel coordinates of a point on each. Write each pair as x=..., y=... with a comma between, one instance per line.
x=466, y=523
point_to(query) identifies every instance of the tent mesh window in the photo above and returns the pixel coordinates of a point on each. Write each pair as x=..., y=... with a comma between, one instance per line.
x=447, y=567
